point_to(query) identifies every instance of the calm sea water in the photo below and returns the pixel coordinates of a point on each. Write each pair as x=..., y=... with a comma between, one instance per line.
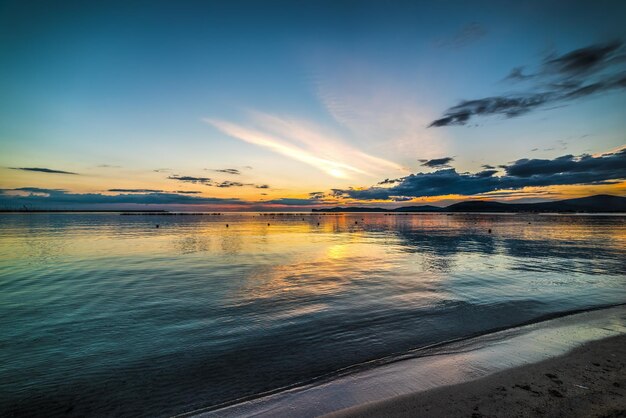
x=103, y=314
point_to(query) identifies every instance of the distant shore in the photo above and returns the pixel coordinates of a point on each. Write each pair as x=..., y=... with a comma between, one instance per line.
x=599, y=204
x=589, y=204
x=589, y=381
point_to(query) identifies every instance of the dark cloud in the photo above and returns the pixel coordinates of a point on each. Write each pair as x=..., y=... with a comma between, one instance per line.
x=135, y=190
x=565, y=170
x=486, y=173
x=437, y=162
x=210, y=182
x=230, y=184
x=441, y=182
x=499, y=105
x=292, y=202
x=227, y=171
x=152, y=191
x=55, y=198
x=389, y=181
x=487, y=167
x=188, y=179
x=613, y=165
x=38, y=190
x=239, y=184
x=43, y=170
x=584, y=60
x=317, y=195
x=562, y=78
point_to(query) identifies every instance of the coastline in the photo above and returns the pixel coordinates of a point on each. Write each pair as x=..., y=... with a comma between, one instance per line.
x=589, y=381
x=440, y=367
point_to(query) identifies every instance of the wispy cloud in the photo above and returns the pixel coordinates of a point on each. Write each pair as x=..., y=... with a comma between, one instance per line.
x=381, y=113
x=323, y=142
x=305, y=142
x=135, y=191
x=229, y=184
x=560, y=79
x=233, y=171
x=189, y=179
x=44, y=170
x=144, y=191
x=31, y=190
x=206, y=181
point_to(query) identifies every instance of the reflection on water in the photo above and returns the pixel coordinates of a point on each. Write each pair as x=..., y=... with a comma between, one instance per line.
x=106, y=314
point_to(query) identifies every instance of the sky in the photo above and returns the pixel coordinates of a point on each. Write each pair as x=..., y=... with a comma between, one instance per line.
x=292, y=105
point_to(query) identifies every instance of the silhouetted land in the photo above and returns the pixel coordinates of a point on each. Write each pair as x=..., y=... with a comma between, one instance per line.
x=590, y=204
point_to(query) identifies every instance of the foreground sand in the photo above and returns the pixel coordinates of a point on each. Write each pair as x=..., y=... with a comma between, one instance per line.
x=590, y=381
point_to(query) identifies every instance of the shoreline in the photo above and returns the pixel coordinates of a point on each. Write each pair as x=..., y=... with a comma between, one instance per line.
x=589, y=381
x=438, y=368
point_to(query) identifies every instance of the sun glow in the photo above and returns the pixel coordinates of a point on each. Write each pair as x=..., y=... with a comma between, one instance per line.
x=335, y=172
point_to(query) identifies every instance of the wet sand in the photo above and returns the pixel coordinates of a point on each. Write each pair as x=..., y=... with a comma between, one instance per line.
x=589, y=381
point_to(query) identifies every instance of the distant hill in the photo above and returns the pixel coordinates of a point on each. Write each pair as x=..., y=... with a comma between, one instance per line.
x=481, y=206
x=423, y=208
x=597, y=203
x=592, y=204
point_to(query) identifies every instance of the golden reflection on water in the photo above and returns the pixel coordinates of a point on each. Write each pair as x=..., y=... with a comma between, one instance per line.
x=434, y=242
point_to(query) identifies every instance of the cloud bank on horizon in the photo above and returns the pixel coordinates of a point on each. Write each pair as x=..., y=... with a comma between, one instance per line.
x=565, y=170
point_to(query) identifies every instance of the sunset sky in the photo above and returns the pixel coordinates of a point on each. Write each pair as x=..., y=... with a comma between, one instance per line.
x=290, y=105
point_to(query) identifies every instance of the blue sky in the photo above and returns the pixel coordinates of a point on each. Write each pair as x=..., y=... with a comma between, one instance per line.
x=302, y=97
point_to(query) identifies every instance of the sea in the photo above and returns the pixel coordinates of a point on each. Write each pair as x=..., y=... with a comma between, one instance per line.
x=154, y=315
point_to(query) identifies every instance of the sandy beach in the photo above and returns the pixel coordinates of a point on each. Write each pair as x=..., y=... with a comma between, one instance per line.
x=589, y=381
